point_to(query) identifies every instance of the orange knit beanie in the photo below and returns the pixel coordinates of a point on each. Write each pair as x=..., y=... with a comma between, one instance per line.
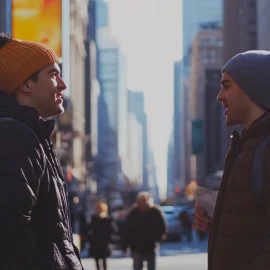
x=19, y=60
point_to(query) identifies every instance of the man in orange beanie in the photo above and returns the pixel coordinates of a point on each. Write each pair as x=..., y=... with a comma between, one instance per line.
x=35, y=227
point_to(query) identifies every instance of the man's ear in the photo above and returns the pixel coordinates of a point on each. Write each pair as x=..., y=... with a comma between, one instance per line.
x=26, y=86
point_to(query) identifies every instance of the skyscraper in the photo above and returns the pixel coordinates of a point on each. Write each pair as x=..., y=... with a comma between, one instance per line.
x=240, y=26
x=136, y=105
x=263, y=22
x=208, y=129
x=170, y=168
x=196, y=15
x=113, y=104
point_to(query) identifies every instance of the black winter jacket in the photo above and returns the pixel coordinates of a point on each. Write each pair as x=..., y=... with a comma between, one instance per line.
x=144, y=229
x=35, y=231
x=100, y=232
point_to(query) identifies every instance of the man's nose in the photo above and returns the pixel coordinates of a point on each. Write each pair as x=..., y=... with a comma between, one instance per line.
x=219, y=96
x=61, y=84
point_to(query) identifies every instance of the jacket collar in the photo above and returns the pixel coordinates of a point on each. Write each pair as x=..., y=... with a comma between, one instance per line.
x=9, y=107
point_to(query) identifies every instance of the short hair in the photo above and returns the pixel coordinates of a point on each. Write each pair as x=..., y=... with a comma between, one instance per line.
x=4, y=39
x=147, y=196
x=34, y=77
x=143, y=194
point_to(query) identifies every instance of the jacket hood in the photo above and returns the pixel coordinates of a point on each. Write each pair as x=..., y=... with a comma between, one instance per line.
x=9, y=107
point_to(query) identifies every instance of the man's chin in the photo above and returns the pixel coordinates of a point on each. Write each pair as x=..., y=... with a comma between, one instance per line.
x=60, y=110
x=231, y=123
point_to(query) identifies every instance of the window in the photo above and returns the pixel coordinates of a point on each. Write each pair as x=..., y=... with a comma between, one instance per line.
x=107, y=71
x=109, y=85
x=108, y=56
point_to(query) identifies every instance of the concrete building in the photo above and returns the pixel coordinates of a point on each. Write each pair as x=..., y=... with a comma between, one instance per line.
x=240, y=26
x=178, y=162
x=239, y=33
x=170, y=168
x=5, y=16
x=134, y=159
x=91, y=82
x=136, y=105
x=102, y=13
x=78, y=32
x=195, y=13
x=91, y=109
x=113, y=106
x=205, y=111
x=179, y=130
x=263, y=22
x=152, y=177
x=111, y=75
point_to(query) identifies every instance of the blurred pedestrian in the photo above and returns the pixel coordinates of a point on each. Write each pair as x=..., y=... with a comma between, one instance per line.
x=145, y=228
x=240, y=229
x=35, y=228
x=121, y=219
x=186, y=223
x=100, y=231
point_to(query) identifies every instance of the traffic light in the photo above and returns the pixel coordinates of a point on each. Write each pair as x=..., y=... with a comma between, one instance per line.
x=69, y=175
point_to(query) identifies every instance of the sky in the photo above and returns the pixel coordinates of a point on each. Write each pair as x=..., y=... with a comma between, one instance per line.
x=149, y=34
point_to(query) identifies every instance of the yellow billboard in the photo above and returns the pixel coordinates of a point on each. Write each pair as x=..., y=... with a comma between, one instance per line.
x=38, y=20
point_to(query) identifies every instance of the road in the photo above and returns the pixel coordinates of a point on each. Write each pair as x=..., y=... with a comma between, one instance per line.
x=184, y=261
x=172, y=256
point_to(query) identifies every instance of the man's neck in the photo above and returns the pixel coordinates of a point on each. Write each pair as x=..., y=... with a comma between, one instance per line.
x=254, y=115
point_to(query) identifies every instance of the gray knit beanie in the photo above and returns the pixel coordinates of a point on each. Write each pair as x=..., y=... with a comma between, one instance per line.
x=251, y=71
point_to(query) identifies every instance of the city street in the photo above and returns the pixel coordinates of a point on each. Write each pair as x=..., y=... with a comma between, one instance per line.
x=184, y=261
x=172, y=256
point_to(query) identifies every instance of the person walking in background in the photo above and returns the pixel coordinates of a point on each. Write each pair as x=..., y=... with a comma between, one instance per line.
x=240, y=229
x=100, y=231
x=186, y=224
x=120, y=220
x=35, y=227
x=145, y=227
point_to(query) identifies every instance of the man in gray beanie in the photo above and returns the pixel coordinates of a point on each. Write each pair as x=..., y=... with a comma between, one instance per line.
x=240, y=229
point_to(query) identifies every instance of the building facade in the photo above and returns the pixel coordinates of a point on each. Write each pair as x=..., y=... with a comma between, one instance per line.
x=208, y=129
x=112, y=108
x=5, y=16
x=195, y=14
x=78, y=32
x=240, y=26
x=134, y=159
x=263, y=22
x=170, y=168
x=179, y=167
x=136, y=106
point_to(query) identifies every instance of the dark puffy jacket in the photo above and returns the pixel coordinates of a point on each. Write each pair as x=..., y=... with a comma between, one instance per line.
x=35, y=231
x=239, y=237
x=144, y=229
x=100, y=232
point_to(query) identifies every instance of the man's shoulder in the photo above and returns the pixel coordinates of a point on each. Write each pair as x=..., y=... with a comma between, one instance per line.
x=18, y=139
x=156, y=209
x=15, y=129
